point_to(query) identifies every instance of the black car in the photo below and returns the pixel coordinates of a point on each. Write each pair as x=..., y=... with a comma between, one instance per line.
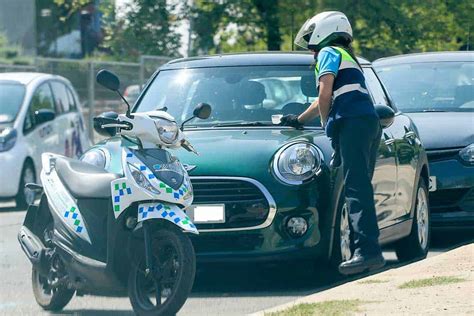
x=437, y=91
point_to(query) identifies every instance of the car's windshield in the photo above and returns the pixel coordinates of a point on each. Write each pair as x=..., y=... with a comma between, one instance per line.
x=238, y=95
x=11, y=98
x=426, y=87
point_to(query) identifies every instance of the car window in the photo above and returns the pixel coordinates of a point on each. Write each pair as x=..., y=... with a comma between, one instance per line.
x=375, y=88
x=42, y=99
x=60, y=97
x=430, y=86
x=11, y=96
x=236, y=94
x=72, y=102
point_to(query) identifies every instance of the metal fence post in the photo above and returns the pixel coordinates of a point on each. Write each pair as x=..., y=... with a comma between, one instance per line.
x=91, y=98
x=142, y=71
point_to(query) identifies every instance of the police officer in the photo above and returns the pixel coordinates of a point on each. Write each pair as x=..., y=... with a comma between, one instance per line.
x=349, y=118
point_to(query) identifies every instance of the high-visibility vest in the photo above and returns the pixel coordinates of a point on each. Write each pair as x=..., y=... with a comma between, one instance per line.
x=350, y=97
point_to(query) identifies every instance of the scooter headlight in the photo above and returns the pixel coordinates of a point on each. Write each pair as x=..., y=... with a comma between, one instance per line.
x=141, y=179
x=296, y=163
x=167, y=130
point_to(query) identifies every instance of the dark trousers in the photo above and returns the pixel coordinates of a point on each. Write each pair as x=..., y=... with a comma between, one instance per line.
x=358, y=140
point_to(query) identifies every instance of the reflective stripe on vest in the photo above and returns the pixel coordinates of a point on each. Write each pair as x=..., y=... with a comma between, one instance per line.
x=348, y=88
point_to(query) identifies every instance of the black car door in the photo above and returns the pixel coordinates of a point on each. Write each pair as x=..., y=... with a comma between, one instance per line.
x=385, y=174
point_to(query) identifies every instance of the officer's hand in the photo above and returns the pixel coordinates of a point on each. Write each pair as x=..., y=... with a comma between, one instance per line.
x=291, y=120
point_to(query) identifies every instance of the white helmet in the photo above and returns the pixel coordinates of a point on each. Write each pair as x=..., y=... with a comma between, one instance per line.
x=324, y=28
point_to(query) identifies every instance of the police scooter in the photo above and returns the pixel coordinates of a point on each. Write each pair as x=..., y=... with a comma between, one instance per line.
x=95, y=232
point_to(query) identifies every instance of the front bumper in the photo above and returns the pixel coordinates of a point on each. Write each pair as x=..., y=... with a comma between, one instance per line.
x=10, y=170
x=452, y=204
x=267, y=244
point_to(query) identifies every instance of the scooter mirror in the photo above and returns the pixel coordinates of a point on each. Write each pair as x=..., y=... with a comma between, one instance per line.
x=108, y=80
x=203, y=111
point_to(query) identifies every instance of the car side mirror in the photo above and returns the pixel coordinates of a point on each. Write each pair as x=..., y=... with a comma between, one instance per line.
x=386, y=115
x=203, y=111
x=108, y=80
x=44, y=115
x=105, y=118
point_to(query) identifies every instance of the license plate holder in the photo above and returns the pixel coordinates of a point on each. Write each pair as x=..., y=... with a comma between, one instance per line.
x=207, y=213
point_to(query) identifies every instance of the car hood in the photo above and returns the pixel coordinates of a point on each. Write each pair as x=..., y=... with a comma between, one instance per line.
x=440, y=130
x=242, y=152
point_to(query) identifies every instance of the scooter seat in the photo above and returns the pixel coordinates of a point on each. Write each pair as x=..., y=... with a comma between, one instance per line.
x=84, y=180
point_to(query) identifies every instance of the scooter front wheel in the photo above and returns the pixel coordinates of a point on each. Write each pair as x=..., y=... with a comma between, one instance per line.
x=48, y=297
x=164, y=289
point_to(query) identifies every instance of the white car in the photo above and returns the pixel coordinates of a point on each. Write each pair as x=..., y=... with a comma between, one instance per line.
x=38, y=113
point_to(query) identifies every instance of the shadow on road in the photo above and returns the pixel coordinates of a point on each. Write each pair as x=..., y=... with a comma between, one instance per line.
x=293, y=279
x=95, y=312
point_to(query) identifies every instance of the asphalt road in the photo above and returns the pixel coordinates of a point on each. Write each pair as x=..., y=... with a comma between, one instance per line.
x=220, y=289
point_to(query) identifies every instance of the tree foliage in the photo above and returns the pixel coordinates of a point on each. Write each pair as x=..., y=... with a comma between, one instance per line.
x=381, y=28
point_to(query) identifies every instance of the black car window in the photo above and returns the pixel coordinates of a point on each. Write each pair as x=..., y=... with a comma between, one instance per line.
x=375, y=88
x=72, y=102
x=42, y=99
x=430, y=86
x=237, y=94
x=60, y=97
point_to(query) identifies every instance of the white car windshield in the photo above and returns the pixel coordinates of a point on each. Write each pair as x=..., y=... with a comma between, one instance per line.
x=238, y=95
x=11, y=98
x=430, y=87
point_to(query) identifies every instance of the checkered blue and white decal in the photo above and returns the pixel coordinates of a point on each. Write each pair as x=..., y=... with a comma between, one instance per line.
x=64, y=205
x=168, y=212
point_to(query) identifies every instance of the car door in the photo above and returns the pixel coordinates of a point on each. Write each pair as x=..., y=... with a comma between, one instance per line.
x=79, y=137
x=40, y=137
x=385, y=174
x=64, y=119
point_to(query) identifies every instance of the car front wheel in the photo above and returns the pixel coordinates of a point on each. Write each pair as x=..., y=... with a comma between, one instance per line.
x=341, y=250
x=416, y=245
x=25, y=196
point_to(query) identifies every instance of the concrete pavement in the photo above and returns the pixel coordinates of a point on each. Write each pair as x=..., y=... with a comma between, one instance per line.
x=220, y=289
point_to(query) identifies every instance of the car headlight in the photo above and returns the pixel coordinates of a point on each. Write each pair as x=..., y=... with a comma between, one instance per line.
x=7, y=139
x=141, y=179
x=297, y=162
x=167, y=130
x=96, y=157
x=467, y=154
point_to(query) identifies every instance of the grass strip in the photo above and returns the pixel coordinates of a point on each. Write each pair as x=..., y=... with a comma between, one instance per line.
x=330, y=308
x=439, y=280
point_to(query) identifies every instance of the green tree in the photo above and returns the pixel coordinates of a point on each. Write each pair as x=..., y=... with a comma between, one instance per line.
x=149, y=28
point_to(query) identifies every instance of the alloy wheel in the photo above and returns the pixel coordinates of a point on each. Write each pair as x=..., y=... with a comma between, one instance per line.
x=28, y=177
x=345, y=232
x=422, y=218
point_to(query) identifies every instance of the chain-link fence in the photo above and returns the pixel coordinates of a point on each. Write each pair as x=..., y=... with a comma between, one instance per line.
x=94, y=98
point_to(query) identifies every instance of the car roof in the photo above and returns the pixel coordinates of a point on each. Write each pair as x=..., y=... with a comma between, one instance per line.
x=247, y=59
x=426, y=57
x=25, y=77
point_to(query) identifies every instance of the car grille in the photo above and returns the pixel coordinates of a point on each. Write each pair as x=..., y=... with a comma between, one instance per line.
x=442, y=154
x=245, y=203
x=452, y=200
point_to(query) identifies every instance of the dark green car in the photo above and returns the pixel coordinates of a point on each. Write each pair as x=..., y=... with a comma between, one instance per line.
x=264, y=191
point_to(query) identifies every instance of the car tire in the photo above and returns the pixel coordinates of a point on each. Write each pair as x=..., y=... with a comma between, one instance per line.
x=25, y=197
x=416, y=245
x=341, y=246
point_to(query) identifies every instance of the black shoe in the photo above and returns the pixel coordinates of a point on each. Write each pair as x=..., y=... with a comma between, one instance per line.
x=359, y=264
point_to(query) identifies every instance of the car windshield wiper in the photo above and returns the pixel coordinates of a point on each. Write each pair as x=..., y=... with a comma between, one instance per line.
x=433, y=110
x=242, y=124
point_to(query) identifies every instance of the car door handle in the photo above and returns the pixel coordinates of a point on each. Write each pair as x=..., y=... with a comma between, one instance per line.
x=410, y=135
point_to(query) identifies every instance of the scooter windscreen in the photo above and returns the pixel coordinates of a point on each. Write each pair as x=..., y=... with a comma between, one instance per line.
x=164, y=166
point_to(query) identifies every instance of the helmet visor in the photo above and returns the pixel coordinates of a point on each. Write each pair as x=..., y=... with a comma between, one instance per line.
x=304, y=34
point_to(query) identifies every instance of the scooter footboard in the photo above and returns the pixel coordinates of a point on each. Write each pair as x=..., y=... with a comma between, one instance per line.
x=169, y=212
